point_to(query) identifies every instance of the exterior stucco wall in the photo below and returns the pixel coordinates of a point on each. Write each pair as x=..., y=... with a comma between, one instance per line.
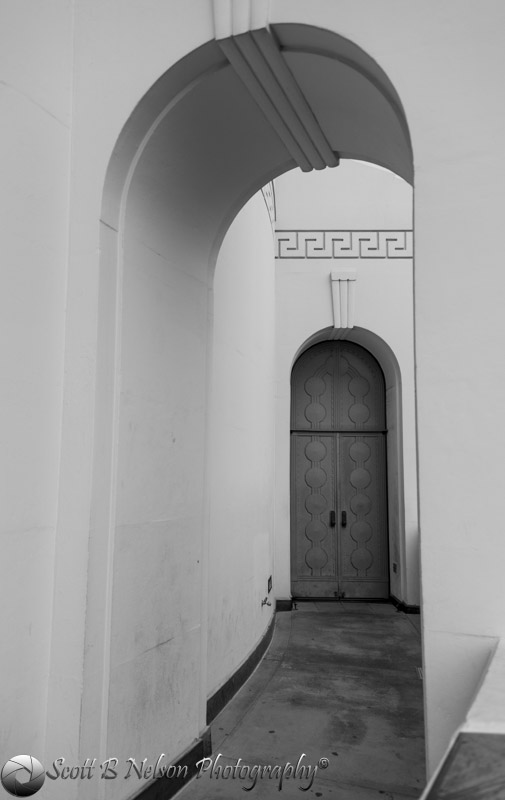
x=241, y=481
x=446, y=62
x=35, y=98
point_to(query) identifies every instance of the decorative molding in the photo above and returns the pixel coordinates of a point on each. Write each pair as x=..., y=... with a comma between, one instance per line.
x=257, y=59
x=268, y=192
x=344, y=244
x=343, y=285
x=233, y=17
x=310, y=129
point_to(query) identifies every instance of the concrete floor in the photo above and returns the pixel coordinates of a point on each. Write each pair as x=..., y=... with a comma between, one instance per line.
x=341, y=682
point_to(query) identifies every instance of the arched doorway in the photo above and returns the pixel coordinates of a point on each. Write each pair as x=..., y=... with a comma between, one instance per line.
x=339, y=534
x=172, y=189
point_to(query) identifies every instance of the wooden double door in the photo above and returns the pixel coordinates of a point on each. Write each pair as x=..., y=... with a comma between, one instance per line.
x=339, y=535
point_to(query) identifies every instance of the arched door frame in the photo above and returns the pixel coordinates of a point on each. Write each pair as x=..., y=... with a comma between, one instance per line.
x=395, y=474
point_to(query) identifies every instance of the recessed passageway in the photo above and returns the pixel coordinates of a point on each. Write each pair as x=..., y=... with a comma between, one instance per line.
x=341, y=681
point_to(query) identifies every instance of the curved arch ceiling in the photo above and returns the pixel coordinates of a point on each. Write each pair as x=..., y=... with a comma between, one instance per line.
x=236, y=113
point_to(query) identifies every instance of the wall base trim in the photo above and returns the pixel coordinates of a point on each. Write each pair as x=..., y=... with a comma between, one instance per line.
x=165, y=788
x=405, y=607
x=298, y=599
x=219, y=699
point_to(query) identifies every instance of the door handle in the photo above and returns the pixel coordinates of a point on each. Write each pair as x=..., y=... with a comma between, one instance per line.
x=344, y=518
x=332, y=519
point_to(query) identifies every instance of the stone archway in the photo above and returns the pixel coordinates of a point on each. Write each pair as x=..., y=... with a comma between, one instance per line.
x=216, y=127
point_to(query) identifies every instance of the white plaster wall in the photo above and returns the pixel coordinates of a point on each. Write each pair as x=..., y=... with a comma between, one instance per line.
x=105, y=37
x=241, y=443
x=155, y=665
x=190, y=562
x=353, y=196
x=155, y=621
x=446, y=61
x=172, y=582
x=35, y=83
x=459, y=322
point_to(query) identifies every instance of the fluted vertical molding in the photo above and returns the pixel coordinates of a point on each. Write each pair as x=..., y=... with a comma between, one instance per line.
x=242, y=32
x=343, y=285
x=233, y=17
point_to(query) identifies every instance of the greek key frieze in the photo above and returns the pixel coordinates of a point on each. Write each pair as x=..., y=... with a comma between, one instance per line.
x=344, y=244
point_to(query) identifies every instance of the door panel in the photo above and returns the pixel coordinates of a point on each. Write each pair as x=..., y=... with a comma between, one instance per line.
x=337, y=388
x=313, y=552
x=362, y=552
